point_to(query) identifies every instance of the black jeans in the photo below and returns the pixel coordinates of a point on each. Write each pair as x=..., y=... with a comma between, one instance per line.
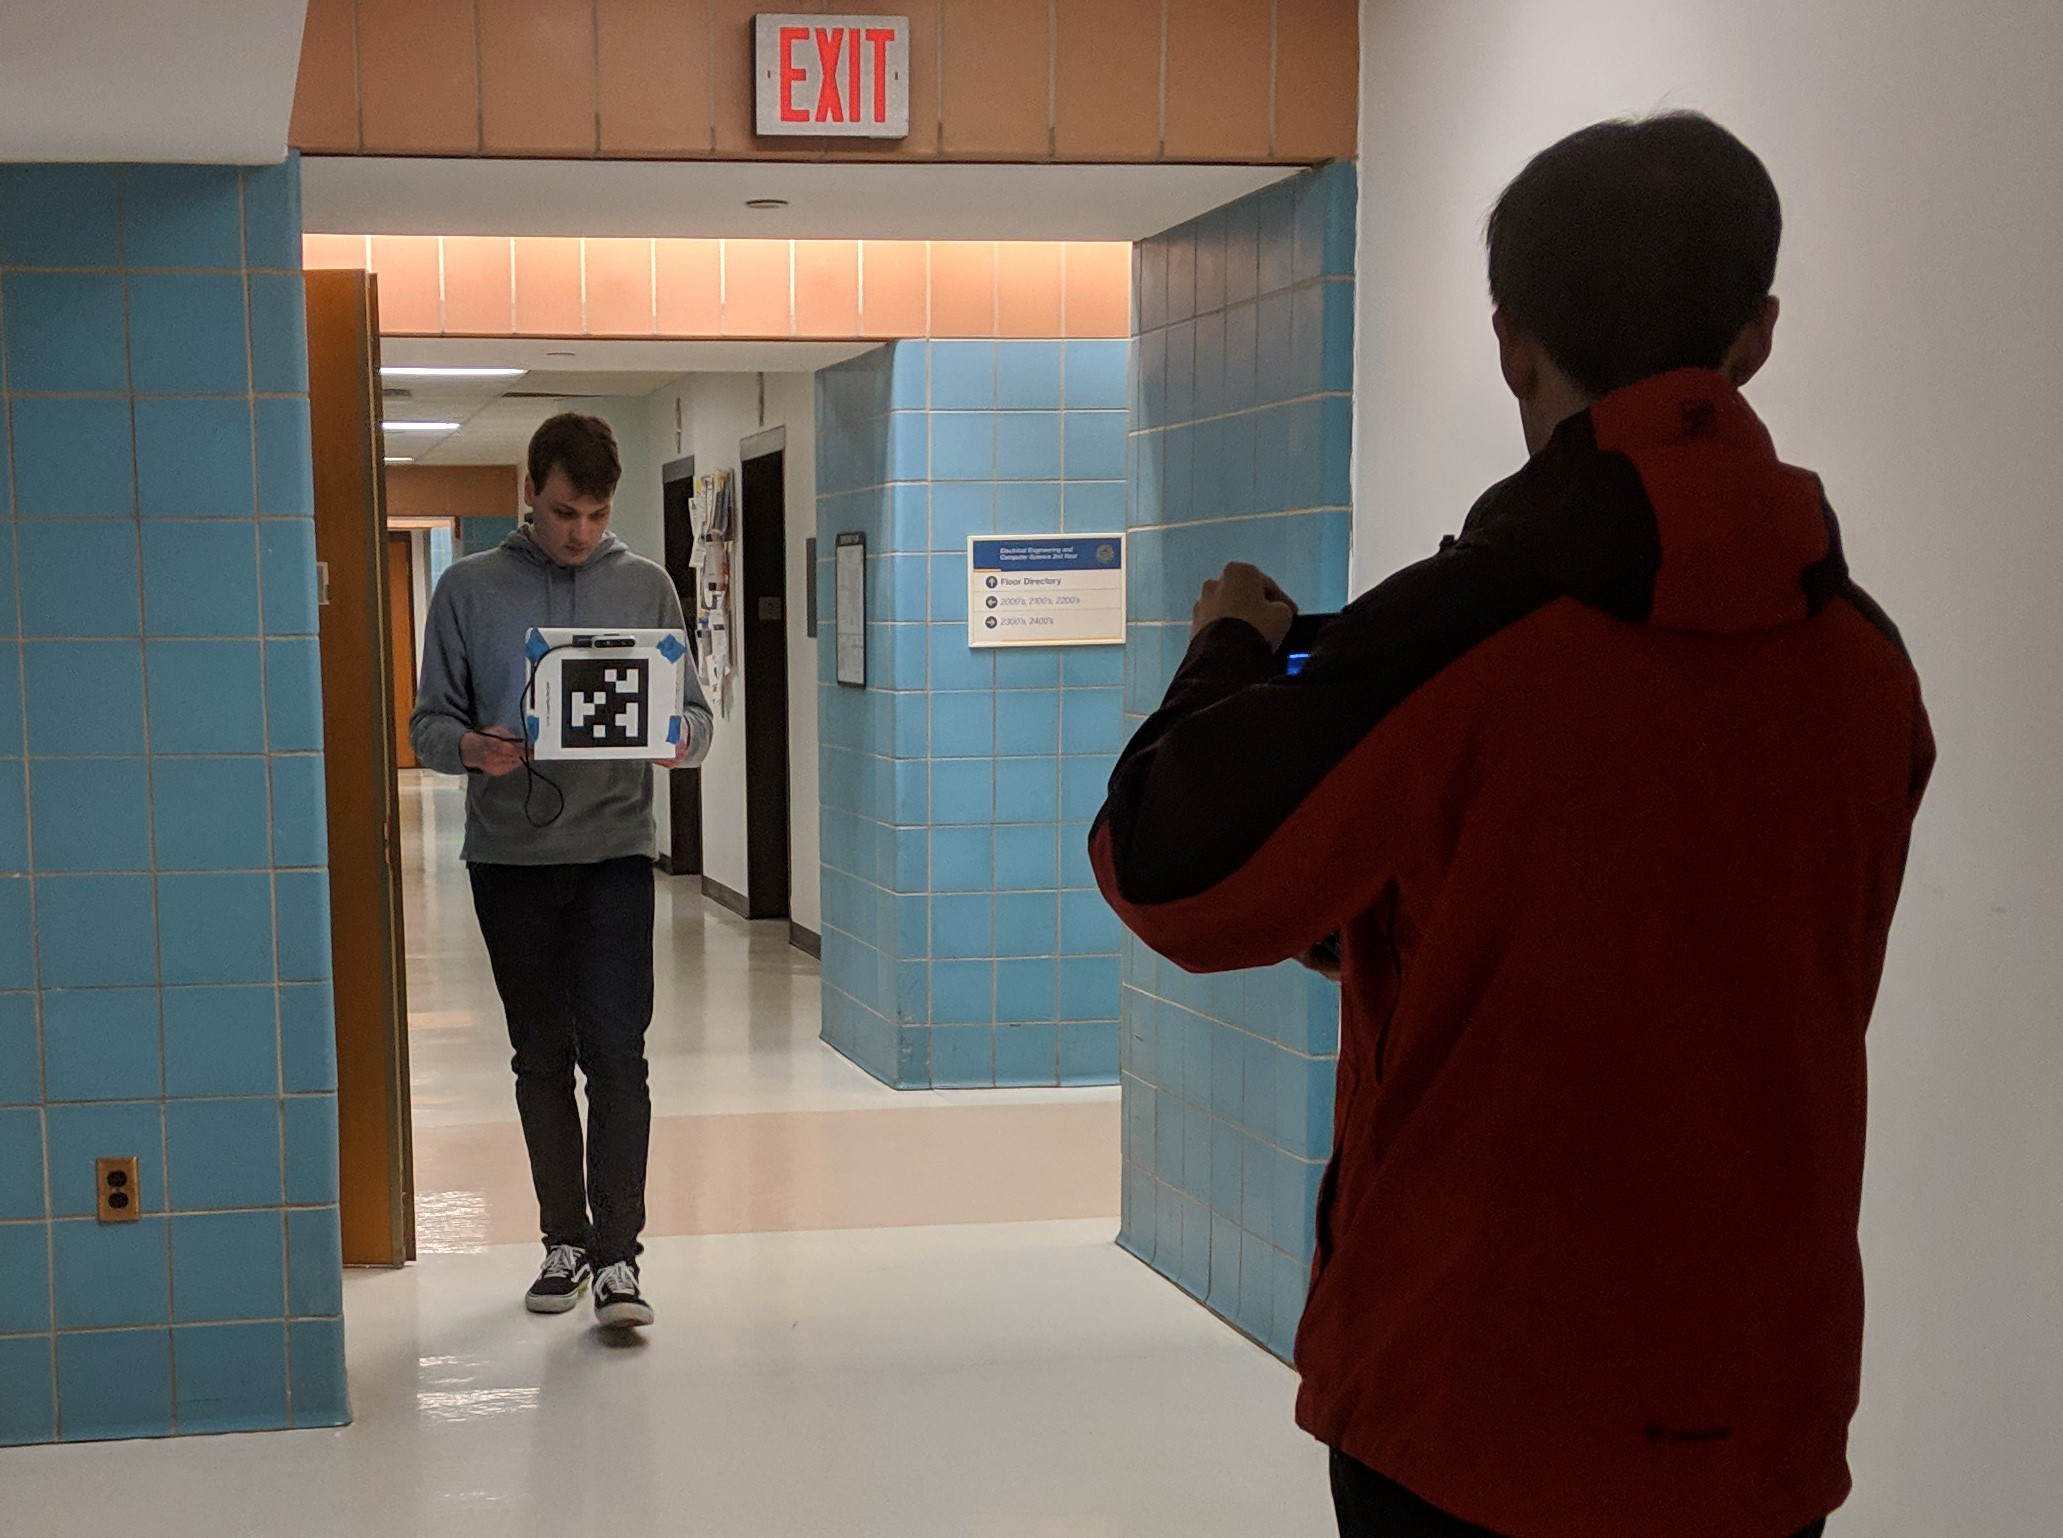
x=1371, y=1506
x=572, y=952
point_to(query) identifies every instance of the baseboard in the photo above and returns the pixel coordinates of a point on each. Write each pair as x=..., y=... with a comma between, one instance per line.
x=723, y=896
x=808, y=941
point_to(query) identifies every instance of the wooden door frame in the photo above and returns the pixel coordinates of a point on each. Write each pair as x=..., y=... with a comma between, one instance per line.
x=401, y=605
x=375, y=1137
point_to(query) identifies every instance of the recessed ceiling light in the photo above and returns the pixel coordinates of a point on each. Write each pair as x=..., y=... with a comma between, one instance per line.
x=396, y=459
x=420, y=427
x=410, y=371
x=766, y=205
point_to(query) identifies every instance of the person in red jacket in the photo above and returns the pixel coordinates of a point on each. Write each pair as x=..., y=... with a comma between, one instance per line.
x=1607, y=805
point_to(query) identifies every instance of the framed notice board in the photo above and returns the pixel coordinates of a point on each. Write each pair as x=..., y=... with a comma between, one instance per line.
x=850, y=619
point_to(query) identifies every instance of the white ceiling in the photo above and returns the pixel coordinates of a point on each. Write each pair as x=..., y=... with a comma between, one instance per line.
x=148, y=80
x=591, y=357
x=497, y=416
x=345, y=195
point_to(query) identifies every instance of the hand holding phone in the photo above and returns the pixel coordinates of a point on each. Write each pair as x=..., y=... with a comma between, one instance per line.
x=1246, y=593
x=1296, y=646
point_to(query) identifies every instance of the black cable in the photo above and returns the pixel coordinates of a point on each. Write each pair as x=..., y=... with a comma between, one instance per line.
x=530, y=749
x=532, y=775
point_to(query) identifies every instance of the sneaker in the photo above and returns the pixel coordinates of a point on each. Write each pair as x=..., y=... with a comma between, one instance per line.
x=619, y=1304
x=561, y=1282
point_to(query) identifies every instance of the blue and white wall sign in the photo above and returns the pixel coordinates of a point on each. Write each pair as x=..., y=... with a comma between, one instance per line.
x=1046, y=591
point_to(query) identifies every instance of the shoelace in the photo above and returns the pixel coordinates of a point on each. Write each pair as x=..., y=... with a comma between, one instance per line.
x=617, y=1278
x=564, y=1260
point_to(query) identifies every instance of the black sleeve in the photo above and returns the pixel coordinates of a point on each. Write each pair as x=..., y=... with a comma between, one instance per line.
x=1201, y=833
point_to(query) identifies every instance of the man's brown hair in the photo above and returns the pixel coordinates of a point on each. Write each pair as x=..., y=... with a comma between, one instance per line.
x=584, y=447
x=1636, y=247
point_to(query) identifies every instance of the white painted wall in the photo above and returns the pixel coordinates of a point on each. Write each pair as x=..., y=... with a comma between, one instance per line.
x=717, y=412
x=1919, y=366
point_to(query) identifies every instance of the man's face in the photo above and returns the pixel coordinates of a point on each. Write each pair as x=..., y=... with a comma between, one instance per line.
x=566, y=525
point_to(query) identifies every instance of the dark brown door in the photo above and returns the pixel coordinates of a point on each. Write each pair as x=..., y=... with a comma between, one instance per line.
x=401, y=628
x=762, y=618
x=377, y=1205
x=684, y=787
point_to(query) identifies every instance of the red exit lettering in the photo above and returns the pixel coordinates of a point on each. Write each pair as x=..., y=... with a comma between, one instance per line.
x=851, y=45
x=880, y=38
x=838, y=76
x=791, y=72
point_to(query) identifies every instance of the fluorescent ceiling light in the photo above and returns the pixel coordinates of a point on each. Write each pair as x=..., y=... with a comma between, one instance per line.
x=420, y=427
x=393, y=459
x=411, y=372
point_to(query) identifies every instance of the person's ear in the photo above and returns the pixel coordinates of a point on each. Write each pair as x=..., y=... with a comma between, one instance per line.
x=1519, y=355
x=1751, y=349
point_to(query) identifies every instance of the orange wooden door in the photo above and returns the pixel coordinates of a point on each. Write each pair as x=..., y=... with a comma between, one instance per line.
x=377, y=1206
x=401, y=626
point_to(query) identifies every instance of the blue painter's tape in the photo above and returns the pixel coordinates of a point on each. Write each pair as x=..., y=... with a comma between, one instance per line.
x=536, y=646
x=531, y=722
x=671, y=649
x=673, y=731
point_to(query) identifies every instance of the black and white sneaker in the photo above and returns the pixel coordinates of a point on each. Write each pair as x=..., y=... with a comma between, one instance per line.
x=619, y=1304
x=560, y=1283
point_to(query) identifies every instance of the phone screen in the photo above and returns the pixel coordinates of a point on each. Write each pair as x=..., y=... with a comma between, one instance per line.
x=1296, y=647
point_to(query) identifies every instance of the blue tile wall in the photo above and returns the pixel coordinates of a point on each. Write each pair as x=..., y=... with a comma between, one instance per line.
x=1240, y=443
x=164, y=906
x=957, y=947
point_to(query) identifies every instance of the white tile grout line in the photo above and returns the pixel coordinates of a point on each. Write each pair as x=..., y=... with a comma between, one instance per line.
x=150, y=784
x=265, y=719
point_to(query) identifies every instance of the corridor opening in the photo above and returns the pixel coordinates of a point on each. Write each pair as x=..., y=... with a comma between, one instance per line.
x=1188, y=392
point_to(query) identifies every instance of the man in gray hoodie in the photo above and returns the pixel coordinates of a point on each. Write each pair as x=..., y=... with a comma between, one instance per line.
x=561, y=860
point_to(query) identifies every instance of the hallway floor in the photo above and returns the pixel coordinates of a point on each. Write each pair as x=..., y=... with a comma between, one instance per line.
x=879, y=1313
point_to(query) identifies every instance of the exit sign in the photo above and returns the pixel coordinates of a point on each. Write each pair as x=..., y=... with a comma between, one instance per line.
x=842, y=77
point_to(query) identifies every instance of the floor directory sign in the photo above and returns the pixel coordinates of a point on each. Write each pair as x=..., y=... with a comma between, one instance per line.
x=1046, y=590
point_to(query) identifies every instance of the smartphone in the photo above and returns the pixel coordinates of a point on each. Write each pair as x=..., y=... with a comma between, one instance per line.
x=1304, y=631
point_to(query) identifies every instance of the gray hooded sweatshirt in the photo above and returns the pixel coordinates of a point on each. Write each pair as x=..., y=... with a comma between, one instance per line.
x=473, y=678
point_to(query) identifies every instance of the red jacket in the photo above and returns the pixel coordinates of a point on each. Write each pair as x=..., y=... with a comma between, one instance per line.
x=1610, y=801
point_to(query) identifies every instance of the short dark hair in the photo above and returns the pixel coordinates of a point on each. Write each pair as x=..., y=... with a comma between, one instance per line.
x=581, y=445
x=1636, y=247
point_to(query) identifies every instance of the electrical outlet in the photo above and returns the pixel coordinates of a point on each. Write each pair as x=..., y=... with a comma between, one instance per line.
x=121, y=1191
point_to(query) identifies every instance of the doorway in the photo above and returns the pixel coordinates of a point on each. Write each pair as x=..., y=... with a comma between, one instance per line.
x=362, y=656
x=401, y=606
x=683, y=855
x=763, y=627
